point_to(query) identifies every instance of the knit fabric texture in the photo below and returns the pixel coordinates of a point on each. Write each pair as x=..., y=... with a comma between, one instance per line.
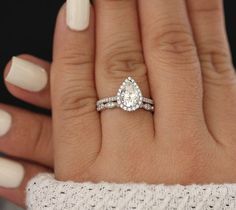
x=44, y=192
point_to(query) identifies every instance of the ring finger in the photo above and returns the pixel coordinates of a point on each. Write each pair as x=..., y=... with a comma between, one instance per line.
x=119, y=55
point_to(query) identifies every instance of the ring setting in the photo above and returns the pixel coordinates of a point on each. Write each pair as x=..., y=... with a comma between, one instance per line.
x=129, y=98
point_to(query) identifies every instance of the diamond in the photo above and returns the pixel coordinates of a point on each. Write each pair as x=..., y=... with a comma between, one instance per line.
x=129, y=96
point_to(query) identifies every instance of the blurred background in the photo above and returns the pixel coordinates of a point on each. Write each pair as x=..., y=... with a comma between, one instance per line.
x=26, y=26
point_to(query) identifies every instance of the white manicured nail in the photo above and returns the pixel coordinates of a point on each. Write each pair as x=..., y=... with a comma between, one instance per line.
x=27, y=75
x=5, y=122
x=11, y=173
x=78, y=14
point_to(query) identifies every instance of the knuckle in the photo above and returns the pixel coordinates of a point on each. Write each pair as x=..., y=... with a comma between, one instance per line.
x=175, y=43
x=40, y=140
x=120, y=62
x=72, y=57
x=74, y=91
x=78, y=99
x=216, y=63
x=33, y=142
x=214, y=50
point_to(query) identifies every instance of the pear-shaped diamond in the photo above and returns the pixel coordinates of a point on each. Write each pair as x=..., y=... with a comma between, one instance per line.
x=129, y=96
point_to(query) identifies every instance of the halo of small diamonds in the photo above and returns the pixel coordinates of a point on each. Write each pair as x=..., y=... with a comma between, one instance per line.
x=129, y=98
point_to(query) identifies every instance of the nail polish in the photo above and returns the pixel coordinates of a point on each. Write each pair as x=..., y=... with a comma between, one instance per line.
x=27, y=75
x=11, y=173
x=78, y=14
x=5, y=122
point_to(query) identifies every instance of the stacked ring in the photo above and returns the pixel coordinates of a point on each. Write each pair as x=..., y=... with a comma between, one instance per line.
x=129, y=98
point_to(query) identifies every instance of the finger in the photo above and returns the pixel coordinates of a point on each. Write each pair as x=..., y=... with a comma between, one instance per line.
x=29, y=81
x=218, y=73
x=174, y=69
x=26, y=135
x=14, y=176
x=119, y=55
x=76, y=121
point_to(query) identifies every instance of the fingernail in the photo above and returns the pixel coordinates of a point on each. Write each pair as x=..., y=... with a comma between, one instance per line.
x=11, y=173
x=5, y=122
x=27, y=75
x=78, y=14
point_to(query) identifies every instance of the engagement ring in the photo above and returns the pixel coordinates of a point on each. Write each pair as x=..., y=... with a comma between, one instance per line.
x=129, y=98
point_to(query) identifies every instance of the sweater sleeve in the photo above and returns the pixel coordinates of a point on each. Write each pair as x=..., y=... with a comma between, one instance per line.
x=44, y=192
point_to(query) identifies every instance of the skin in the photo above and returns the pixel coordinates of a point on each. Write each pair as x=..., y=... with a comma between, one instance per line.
x=183, y=62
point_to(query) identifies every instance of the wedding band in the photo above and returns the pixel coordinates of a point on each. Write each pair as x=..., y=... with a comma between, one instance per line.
x=129, y=98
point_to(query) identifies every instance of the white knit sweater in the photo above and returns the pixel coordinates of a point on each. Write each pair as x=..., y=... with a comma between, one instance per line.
x=44, y=192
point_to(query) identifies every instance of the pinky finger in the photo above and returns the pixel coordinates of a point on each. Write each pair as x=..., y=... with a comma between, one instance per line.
x=14, y=177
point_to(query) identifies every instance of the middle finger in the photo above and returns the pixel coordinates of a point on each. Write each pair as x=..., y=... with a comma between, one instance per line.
x=174, y=68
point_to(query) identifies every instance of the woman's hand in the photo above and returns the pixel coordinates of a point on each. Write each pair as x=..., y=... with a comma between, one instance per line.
x=178, y=53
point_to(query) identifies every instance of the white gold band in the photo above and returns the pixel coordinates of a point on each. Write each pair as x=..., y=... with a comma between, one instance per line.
x=111, y=103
